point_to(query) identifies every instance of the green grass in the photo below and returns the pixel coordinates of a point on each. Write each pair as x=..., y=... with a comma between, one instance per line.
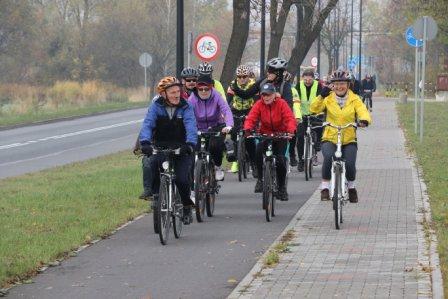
x=432, y=155
x=45, y=215
x=15, y=119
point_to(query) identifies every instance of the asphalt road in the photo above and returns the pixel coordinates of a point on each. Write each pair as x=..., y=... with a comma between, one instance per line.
x=206, y=262
x=33, y=148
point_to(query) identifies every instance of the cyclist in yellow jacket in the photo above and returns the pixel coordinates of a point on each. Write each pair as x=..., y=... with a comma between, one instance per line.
x=342, y=106
x=241, y=107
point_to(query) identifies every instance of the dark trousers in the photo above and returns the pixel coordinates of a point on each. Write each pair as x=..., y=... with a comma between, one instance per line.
x=147, y=176
x=301, y=131
x=182, y=166
x=215, y=147
x=349, y=152
x=279, y=149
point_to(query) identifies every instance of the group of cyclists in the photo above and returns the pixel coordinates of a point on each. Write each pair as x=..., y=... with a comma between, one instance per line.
x=267, y=105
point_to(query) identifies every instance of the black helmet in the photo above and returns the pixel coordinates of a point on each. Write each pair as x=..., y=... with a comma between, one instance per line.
x=339, y=76
x=277, y=63
x=189, y=72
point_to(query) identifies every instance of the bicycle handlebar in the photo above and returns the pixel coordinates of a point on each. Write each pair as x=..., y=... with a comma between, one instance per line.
x=270, y=136
x=175, y=151
x=354, y=125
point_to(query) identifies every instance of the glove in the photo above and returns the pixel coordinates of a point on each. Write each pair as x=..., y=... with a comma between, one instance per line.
x=226, y=129
x=247, y=133
x=325, y=92
x=363, y=123
x=186, y=149
x=147, y=149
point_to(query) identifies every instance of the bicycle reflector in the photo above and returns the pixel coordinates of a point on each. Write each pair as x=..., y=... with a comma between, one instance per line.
x=165, y=165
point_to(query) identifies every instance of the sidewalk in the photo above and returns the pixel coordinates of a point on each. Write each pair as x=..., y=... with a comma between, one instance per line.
x=380, y=252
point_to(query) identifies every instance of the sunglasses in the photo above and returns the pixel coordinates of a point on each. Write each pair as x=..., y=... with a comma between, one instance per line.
x=242, y=77
x=191, y=80
x=205, y=89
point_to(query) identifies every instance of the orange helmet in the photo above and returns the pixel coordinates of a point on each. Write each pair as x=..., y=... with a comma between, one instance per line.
x=166, y=83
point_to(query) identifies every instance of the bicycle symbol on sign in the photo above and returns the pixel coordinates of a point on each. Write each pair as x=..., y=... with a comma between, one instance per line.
x=207, y=46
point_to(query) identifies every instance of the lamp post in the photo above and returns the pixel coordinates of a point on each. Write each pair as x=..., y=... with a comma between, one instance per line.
x=262, y=37
x=180, y=38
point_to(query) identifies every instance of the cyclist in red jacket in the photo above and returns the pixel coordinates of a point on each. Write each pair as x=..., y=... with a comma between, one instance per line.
x=274, y=116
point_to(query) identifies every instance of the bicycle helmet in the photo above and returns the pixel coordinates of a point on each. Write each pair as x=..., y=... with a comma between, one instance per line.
x=189, y=72
x=205, y=68
x=243, y=70
x=316, y=76
x=340, y=76
x=166, y=83
x=277, y=63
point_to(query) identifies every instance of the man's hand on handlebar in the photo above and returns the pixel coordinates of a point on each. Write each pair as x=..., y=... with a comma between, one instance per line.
x=226, y=129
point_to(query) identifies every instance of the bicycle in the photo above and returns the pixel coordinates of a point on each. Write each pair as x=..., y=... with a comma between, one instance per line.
x=309, y=150
x=367, y=99
x=338, y=189
x=205, y=184
x=169, y=205
x=242, y=155
x=270, y=186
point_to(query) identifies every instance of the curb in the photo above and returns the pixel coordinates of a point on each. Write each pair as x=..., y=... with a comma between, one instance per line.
x=54, y=120
x=242, y=289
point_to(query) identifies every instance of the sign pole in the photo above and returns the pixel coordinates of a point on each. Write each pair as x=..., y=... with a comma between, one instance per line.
x=146, y=84
x=422, y=100
x=416, y=90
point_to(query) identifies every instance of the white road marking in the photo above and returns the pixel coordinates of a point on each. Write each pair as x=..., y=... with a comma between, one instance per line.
x=55, y=137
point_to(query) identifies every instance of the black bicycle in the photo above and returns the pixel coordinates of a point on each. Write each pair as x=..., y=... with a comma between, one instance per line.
x=169, y=207
x=242, y=155
x=205, y=185
x=270, y=184
x=309, y=150
x=367, y=98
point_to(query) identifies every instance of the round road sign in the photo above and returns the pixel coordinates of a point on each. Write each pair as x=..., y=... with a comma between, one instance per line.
x=431, y=28
x=410, y=38
x=314, y=61
x=207, y=47
x=145, y=60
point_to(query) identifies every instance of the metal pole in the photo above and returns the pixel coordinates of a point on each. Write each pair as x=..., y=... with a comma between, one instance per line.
x=262, y=37
x=351, y=35
x=146, y=85
x=416, y=89
x=318, y=44
x=360, y=40
x=422, y=100
x=180, y=38
x=190, y=46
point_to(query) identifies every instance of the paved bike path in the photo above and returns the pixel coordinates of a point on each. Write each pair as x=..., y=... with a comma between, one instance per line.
x=380, y=252
x=207, y=262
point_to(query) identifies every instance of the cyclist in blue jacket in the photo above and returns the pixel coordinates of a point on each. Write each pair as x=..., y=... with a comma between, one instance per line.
x=171, y=123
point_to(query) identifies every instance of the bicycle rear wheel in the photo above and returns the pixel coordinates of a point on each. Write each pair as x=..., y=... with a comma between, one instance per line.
x=336, y=202
x=267, y=190
x=275, y=188
x=306, y=159
x=211, y=191
x=200, y=189
x=177, y=215
x=164, y=211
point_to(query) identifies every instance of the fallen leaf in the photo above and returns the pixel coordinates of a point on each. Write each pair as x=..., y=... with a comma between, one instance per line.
x=233, y=241
x=232, y=280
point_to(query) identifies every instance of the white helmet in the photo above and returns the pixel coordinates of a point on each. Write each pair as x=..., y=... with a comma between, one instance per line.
x=243, y=70
x=205, y=68
x=277, y=63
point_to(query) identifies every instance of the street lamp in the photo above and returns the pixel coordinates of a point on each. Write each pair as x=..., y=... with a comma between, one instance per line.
x=180, y=38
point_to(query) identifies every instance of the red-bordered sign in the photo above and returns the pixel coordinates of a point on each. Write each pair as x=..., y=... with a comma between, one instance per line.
x=207, y=47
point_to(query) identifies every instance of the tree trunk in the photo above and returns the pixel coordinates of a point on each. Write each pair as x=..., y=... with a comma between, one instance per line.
x=309, y=32
x=277, y=25
x=238, y=39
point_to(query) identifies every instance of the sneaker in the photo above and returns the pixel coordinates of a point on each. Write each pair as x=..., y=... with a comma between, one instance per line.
x=315, y=161
x=300, y=166
x=254, y=171
x=282, y=194
x=146, y=195
x=219, y=174
x=259, y=186
x=293, y=161
x=234, y=167
x=192, y=197
x=353, y=195
x=188, y=216
x=325, y=195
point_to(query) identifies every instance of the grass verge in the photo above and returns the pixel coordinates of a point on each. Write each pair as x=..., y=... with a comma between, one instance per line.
x=43, y=115
x=432, y=155
x=273, y=256
x=45, y=215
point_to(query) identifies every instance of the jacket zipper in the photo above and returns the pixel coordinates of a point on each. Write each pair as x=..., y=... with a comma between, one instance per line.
x=270, y=116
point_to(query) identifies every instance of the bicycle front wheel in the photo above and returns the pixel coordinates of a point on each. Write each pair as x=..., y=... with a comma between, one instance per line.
x=336, y=202
x=177, y=215
x=155, y=214
x=241, y=159
x=200, y=189
x=307, y=159
x=211, y=193
x=267, y=190
x=164, y=210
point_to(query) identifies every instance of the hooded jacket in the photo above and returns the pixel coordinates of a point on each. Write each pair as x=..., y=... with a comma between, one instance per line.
x=159, y=128
x=274, y=118
x=211, y=112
